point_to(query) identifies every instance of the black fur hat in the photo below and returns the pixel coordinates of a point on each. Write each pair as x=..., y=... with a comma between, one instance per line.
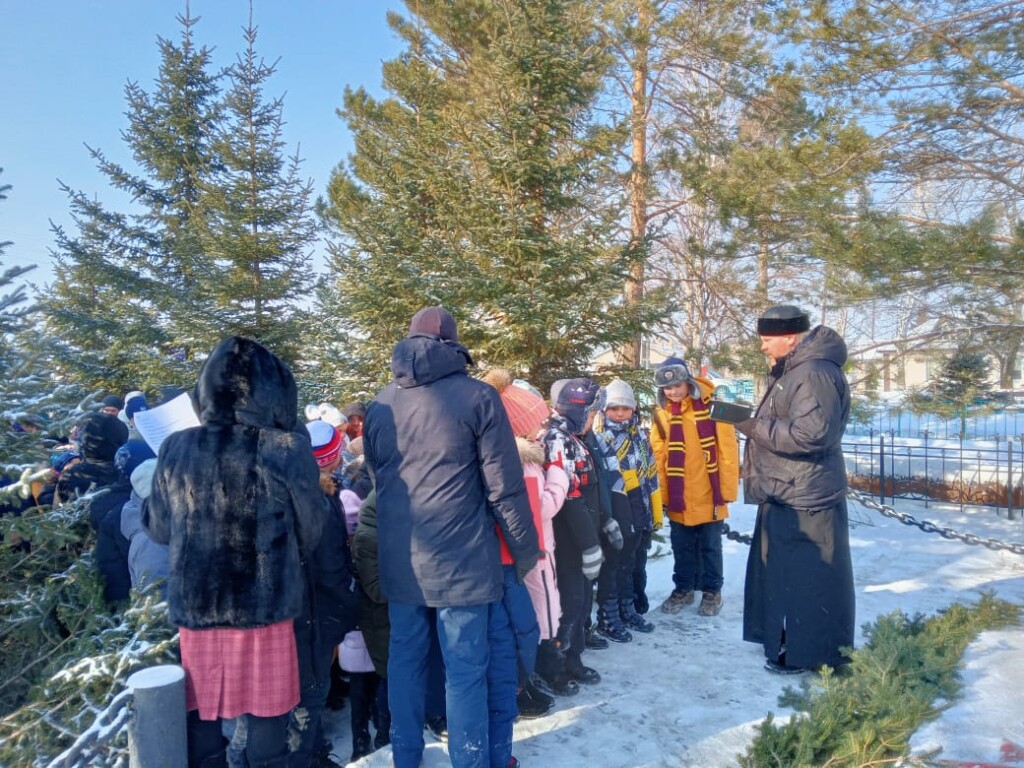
x=782, y=320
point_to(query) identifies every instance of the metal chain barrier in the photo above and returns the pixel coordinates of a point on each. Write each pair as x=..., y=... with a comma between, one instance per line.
x=742, y=538
x=907, y=519
x=928, y=527
x=105, y=728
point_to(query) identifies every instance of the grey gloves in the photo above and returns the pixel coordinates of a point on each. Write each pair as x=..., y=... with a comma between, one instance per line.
x=592, y=559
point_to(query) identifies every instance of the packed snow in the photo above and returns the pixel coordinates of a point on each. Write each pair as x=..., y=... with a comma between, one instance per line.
x=692, y=692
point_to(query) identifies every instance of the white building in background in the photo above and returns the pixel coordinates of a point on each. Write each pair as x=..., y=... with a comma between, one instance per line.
x=900, y=365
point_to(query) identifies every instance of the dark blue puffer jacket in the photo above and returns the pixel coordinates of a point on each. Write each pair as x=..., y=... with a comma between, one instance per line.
x=446, y=469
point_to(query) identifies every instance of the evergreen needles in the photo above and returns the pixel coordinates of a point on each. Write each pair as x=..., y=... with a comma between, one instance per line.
x=904, y=675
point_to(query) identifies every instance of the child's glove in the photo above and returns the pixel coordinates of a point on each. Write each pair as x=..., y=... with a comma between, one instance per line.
x=592, y=559
x=613, y=533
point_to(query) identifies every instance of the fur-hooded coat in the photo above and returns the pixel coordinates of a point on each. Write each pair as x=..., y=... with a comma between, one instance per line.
x=238, y=499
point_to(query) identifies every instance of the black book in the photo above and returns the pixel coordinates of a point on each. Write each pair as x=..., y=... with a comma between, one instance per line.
x=731, y=413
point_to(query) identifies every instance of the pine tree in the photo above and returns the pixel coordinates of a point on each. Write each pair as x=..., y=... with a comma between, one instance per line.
x=476, y=185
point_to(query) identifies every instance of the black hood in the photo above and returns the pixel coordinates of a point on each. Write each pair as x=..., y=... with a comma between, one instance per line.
x=244, y=383
x=822, y=343
x=421, y=359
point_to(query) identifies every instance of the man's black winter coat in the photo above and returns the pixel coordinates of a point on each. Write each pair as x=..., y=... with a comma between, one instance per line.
x=447, y=469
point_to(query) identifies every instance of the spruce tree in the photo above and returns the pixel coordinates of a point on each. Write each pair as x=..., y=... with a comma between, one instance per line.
x=129, y=295
x=32, y=401
x=476, y=185
x=216, y=240
x=258, y=225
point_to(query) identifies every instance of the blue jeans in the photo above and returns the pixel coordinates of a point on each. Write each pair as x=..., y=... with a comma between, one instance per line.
x=697, y=551
x=464, y=633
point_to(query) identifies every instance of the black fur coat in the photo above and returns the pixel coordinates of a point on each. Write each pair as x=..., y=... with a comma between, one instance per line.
x=237, y=499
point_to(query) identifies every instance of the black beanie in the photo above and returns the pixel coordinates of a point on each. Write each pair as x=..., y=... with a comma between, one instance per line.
x=782, y=320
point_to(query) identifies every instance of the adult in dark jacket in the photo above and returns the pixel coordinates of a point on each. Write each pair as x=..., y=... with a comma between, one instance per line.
x=238, y=500
x=99, y=438
x=446, y=470
x=799, y=594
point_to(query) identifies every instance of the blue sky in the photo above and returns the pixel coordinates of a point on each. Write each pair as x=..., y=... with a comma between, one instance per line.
x=64, y=65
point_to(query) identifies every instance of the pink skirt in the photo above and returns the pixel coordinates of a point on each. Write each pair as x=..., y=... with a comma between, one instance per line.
x=232, y=672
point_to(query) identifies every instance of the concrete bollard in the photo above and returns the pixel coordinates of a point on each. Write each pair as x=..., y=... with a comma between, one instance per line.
x=156, y=732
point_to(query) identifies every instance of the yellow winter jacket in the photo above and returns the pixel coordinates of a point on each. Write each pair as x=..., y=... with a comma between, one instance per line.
x=700, y=507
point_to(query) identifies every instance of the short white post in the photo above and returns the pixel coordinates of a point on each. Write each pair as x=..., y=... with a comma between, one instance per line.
x=156, y=731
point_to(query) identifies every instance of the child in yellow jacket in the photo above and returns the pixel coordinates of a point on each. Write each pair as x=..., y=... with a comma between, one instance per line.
x=698, y=463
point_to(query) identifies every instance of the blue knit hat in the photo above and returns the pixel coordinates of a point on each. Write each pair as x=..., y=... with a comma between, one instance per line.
x=130, y=455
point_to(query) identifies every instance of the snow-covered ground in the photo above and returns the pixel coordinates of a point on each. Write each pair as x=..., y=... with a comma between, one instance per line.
x=690, y=693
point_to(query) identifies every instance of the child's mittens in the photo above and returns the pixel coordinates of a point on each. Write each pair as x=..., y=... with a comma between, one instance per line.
x=592, y=559
x=613, y=533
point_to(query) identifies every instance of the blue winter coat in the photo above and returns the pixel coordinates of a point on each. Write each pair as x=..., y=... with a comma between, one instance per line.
x=446, y=469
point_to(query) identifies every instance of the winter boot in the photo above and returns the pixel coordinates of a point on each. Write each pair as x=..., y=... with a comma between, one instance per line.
x=586, y=675
x=710, y=603
x=594, y=641
x=531, y=708
x=536, y=693
x=609, y=623
x=641, y=603
x=361, y=745
x=632, y=619
x=437, y=725
x=675, y=602
x=550, y=677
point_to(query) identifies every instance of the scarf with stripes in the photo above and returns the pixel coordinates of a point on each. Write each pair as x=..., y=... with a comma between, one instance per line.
x=626, y=451
x=676, y=464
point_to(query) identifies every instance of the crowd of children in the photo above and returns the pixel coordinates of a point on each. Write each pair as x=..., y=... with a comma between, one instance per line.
x=599, y=485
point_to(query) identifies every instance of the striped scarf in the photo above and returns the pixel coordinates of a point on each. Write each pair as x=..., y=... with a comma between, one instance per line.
x=626, y=452
x=676, y=464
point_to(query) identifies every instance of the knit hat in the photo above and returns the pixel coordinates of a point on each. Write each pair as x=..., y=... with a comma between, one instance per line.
x=354, y=409
x=112, y=401
x=131, y=455
x=325, y=412
x=434, y=321
x=355, y=447
x=671, y=372
x=526, y=411
x=326, y=442
x=574, y=401
x=782, y=320
x=134, y=405
x=619, y=393
x=61, y=460
x=142, y=478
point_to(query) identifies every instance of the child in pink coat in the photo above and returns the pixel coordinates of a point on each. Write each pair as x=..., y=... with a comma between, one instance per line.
x=535, y=615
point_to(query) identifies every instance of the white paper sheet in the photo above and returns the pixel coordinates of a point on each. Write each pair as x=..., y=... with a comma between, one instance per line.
x=157, y=423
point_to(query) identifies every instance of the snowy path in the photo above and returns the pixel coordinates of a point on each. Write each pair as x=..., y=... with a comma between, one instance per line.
x=691, y=692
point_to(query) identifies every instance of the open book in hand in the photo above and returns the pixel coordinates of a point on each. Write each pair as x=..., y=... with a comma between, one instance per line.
x=731, y=413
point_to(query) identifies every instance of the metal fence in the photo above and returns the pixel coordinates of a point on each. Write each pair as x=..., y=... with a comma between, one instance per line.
x=962, y=472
